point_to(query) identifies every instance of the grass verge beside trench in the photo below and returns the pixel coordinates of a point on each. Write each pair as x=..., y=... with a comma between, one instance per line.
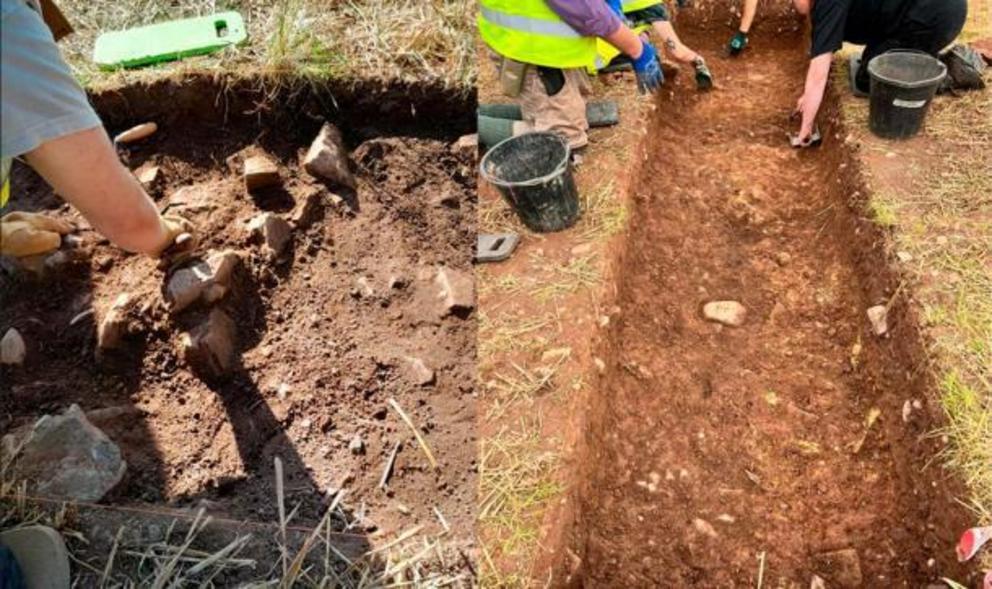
x=941, y=231
x=406, y=40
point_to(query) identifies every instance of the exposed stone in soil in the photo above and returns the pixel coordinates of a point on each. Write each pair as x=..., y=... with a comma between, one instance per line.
x=65, y=456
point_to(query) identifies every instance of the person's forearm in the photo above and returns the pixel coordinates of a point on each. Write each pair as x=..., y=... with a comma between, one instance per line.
x=816, y=86
x=83, y=169
x=747, y=18
x=626, y=41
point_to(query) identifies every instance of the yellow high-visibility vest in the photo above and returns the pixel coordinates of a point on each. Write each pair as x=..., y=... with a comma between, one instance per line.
x=631, y=5
x=528, y=31
x=5, y=165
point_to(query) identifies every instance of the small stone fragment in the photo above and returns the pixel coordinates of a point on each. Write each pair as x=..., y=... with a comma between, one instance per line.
x=841, y=567
x=260, y=172
x=363, y=288
x=147, y=175
x=222, y=265
x=729, y=313
x=879, y=318
x=356, y=445
x=12, y=348
x=704, y=527
x=209, y=280
x=272, y=230
x=419, y=372
x=817, y=582
x=114, y=325
x=306, y=210
x=457, y=290
x=327, y=158
x=66, y=456
x=783, y=258
x=210, y=347
x=467, y=146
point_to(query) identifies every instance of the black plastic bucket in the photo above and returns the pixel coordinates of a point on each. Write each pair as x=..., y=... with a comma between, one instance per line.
x=903, y=84
x=533, y=174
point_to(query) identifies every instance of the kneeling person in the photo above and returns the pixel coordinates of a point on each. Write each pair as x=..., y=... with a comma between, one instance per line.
x=880, y=25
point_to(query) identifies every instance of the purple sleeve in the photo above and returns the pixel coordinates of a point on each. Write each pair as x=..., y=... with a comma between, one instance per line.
x=592, y=18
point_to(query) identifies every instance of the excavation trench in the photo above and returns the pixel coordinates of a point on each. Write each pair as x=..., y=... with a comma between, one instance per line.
x=795, y=444
x=324, y=333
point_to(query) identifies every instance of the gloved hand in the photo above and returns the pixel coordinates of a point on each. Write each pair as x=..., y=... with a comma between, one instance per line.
x=28, y=234
x=704, y=79
x=180, y=243
x=737, y=43
x=648, y=69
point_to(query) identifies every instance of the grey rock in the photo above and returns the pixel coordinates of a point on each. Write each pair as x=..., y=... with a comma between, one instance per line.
x=356, y=445
x=67, y=457
x=327, y=158
x=114, y=325
x=879, y=318
x=12, y=348
x=260, y=172
x=456, y=289
x=419, y=372
x=272, y=231
x=209, y=280
x=210, y=348
x=307, y=210
x=729, y=313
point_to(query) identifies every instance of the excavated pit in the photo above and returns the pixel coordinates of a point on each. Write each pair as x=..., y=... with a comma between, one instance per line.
x=797, y=444
x=324, y=333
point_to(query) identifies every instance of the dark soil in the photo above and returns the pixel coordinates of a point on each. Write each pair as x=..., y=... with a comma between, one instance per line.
x=319, y=358
x=712, y=449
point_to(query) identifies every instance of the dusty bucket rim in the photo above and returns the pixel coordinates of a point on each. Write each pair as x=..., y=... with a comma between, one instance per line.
x=557, y=171
x=873, y=67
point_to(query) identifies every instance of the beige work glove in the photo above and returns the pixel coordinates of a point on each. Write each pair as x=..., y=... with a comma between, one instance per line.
x=28, y=234
x=180, y=243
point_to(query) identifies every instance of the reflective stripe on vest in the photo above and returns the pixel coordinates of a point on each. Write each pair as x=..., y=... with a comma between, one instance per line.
x=632, y=5
x=530, y=32
x=5, y=165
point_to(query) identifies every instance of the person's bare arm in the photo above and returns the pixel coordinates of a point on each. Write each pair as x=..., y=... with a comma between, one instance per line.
x=83, y=169
x=816, y=86
x=747, y=18
x=626, y=41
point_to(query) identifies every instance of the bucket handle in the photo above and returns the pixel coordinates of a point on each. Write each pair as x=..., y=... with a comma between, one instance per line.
x=558, y=171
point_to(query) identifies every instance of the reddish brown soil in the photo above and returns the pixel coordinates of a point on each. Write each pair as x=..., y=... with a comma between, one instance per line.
x=301, y=327
x=753, y=430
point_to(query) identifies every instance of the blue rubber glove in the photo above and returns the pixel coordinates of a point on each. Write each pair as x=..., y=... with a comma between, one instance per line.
x=648, y=69
x=616, y=6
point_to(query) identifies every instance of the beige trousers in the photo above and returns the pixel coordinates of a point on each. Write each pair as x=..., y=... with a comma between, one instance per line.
x=564, y=113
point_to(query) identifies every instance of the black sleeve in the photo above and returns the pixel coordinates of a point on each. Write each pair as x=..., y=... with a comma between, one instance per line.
x=829, y=19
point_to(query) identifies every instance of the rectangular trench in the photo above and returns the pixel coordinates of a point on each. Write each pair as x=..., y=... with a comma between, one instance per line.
x=797, y=444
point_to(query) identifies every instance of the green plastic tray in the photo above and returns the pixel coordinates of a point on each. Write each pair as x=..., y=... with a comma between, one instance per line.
x=168, y=41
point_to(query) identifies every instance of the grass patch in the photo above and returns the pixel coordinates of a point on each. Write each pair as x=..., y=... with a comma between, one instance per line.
x=582, y=272
x=603, y=213
x=883, y=210
x=384, y=39
x=517, y=479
